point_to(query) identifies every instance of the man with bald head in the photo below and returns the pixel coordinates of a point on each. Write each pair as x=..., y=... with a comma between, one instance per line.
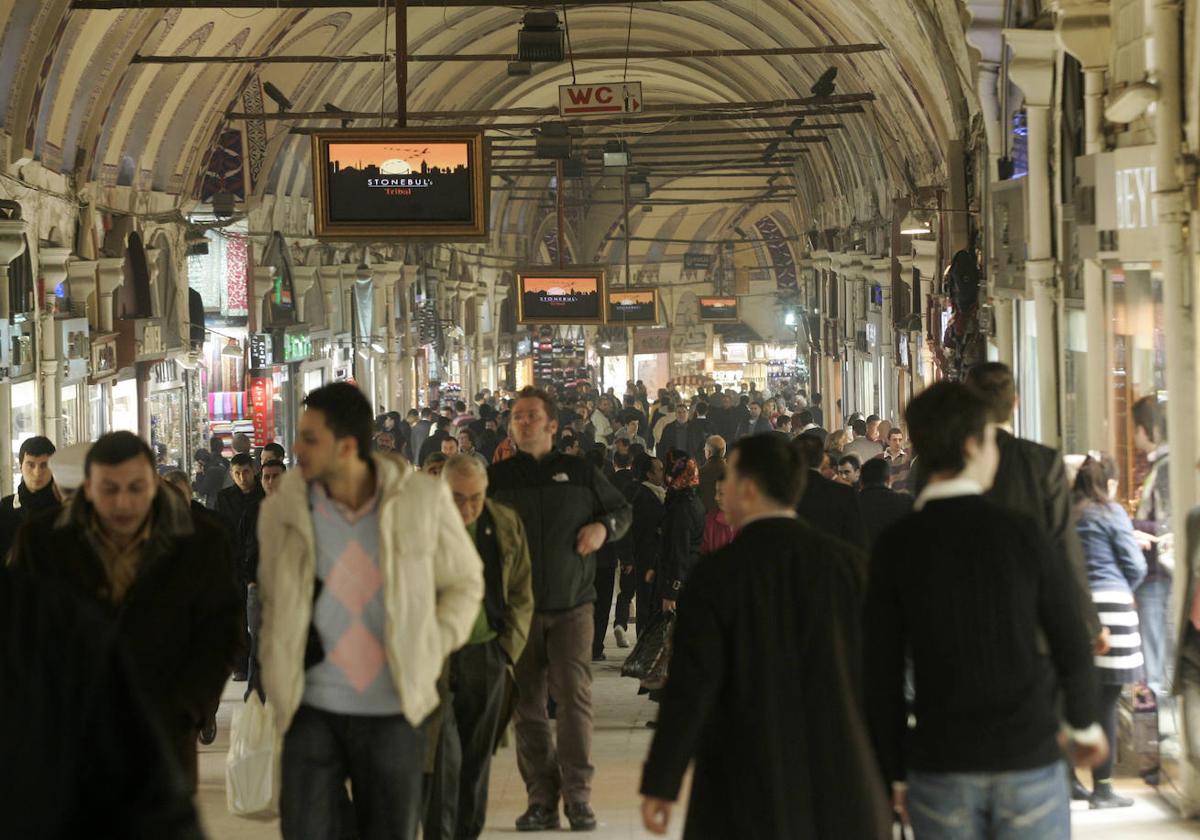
x=479, y=671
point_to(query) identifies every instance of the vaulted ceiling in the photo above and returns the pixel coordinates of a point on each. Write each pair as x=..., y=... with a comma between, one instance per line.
x=76, y=102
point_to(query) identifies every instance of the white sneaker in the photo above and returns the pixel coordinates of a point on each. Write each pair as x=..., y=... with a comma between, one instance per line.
x=619, y=633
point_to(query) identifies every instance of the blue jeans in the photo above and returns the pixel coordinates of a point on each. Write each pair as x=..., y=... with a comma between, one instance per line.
x=1158, y=642
x=1019, y=805
x=383, y=759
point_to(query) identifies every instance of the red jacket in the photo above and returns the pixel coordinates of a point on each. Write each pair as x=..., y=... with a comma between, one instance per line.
x=717, y=532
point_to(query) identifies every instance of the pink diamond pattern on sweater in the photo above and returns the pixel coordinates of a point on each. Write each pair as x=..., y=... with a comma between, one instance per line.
x=359, y=656
x=353, y=581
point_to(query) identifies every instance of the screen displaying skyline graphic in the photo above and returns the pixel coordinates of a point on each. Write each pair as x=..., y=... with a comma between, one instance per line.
x=560, y=300
x=399, y=182
x=633, y=306
x=718, y=309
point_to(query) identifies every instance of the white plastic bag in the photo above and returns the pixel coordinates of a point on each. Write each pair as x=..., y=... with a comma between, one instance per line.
x=252, y=764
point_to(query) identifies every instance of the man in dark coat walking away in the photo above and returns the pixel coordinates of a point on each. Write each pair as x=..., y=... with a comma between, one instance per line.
x=36, y=492
x=879, y=503
x=1031, y=480
x=780, y=751
x=161, y=577
x=825, y=504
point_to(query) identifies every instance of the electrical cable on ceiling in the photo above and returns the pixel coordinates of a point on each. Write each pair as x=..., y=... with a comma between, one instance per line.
x=628, y=39
x=383, y=61
x=570, y=52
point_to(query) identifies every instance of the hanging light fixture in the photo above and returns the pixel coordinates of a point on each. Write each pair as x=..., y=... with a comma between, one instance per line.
x=914, y=225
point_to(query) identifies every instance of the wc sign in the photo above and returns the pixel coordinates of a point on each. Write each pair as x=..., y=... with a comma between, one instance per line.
x=600, y=99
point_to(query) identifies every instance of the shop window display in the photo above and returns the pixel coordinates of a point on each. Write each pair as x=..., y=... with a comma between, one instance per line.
x=24, y=421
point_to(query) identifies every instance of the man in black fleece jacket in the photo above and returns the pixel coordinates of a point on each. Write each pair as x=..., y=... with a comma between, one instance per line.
x=569, y=511
x=964, y=585
x=36, y=492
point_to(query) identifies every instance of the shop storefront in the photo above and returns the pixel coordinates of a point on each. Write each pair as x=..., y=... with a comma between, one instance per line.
x=125, y=402
x=24, y=420
x=71, y=336
x=167, y=405
x=652, y=357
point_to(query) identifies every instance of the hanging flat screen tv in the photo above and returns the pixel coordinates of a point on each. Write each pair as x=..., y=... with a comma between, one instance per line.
x=399, y=183
x=717, y=309
x=560, y=296
x=632, y=307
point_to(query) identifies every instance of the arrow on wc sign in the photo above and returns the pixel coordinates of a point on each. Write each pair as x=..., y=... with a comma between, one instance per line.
x=600, y=99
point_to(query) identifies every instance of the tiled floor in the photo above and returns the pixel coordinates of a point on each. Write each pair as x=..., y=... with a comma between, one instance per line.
x=619, y=747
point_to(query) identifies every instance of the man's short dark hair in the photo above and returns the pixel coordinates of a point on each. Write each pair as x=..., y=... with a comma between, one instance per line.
x=859, y=426
x=895, y=430
x=701, y=408
x=35, y=447
x=803, y=418
x=276, y=451
x=852, y=460
x=347, y=413
x=994, y=382
x=873, y=418
x=621, y=460
x=460, y=406
x=810, y=448
x=434, y=458
x=426, y=413
x=216, y=445
x=441, y=422
x=241, y=442
x=940, y=421
x=1152, y=417
x=874, y=473
x=549, y=405
x=412, y=412
x=117, y=448
x=772, y=464
x=242, y=459
x=273, y=463
x=467, y=433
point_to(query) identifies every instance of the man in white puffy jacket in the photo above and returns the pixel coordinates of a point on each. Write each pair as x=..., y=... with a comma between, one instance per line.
x=368, y=582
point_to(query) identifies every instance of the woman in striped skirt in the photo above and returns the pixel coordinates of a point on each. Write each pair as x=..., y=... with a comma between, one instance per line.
x=1115, y=566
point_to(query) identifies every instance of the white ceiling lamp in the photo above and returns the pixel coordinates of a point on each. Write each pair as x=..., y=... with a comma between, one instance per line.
x=914, y=225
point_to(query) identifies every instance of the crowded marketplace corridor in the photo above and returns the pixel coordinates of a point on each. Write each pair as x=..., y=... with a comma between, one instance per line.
x=710, y=419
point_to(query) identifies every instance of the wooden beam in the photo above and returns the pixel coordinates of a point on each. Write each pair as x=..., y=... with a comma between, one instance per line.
x=595, y=55
x=640, y=146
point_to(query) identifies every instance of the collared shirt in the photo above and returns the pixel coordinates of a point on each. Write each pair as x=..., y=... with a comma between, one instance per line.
x=771, y=514
x=120, y=563
x=948, y=489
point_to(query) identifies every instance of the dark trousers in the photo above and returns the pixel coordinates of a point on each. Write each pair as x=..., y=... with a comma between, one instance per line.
x=381, y=756
x=605, y=578
x=1109, y=696
x=470, y=729
x=557, y=658
x=628, y=581
x=646, y=604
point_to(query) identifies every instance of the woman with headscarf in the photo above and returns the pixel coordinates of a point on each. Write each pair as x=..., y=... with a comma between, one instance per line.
x=683, y=526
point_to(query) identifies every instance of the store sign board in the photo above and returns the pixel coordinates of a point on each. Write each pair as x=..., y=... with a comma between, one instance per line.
x=1008, y=253
x=73, y=347
x=262, y=409
x=1125, y=207
x=104, y=357
x=262, y=351
x=697, y=262
x=599, y=100
x=297, y=347
x=656, y=340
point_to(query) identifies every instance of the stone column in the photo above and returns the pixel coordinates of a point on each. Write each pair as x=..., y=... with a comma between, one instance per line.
x=110, y=274
x=1032, y=69
x=53, y=262
x=12, y=245
x=1084, y=31
x=387, y=276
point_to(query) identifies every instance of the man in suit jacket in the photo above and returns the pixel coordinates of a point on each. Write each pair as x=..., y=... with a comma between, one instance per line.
x=879, y=503
x=773, y=758
x=825, y=504
x=682, y=433
x=1031, y=479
